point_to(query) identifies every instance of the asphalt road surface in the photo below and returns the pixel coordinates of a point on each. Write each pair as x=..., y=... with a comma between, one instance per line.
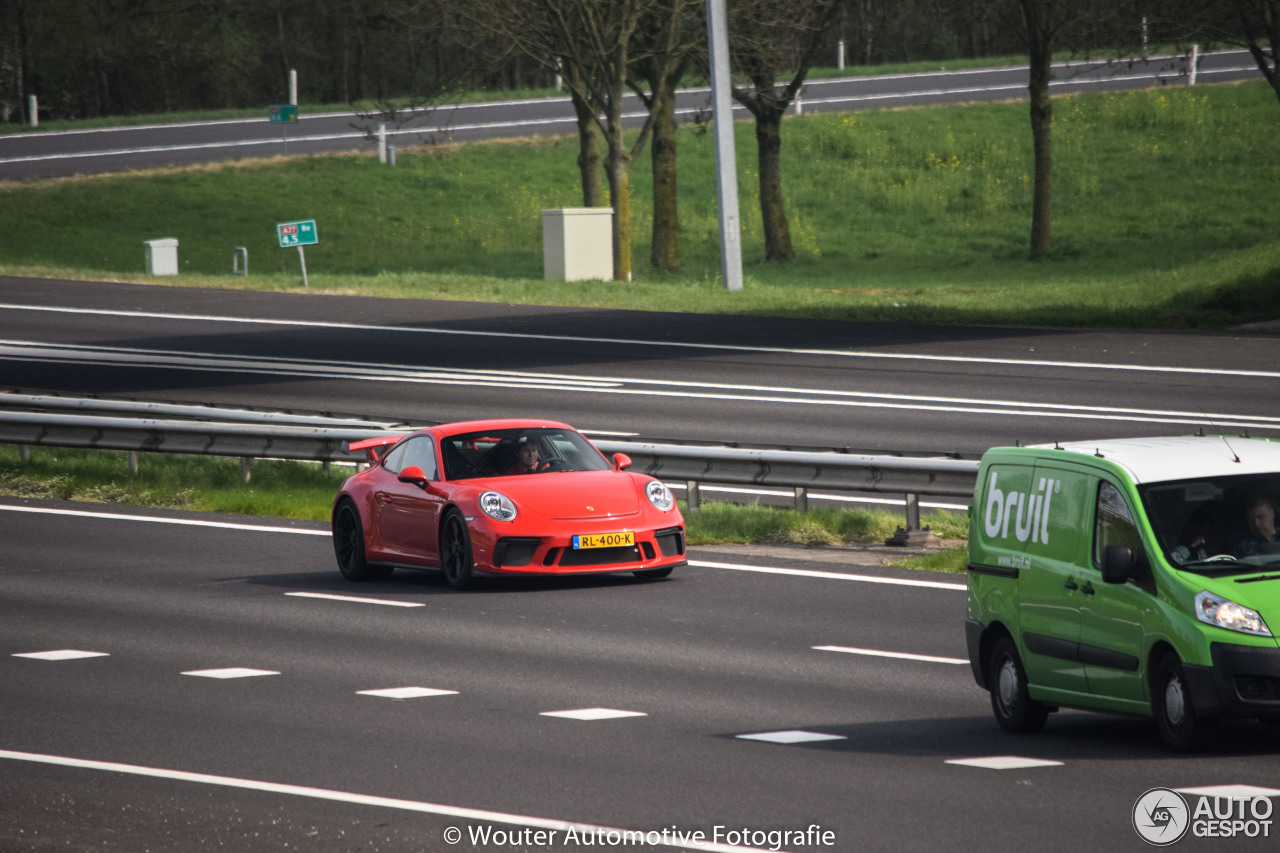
x=181, y=686
x=648, y=375
x=59, y=153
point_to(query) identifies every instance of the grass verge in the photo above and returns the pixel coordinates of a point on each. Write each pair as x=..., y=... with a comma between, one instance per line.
x=900, y=215
x=305, y=491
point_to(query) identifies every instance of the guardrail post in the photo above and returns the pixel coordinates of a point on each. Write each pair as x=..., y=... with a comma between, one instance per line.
x=912, y=534
x=802, y=499
x=240, y=261
x=913, y=512
x=246, y=465
x=133, y=461
x=693, y=500
x=24, y=452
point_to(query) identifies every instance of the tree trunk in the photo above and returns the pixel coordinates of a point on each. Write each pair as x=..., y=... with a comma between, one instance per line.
x=665, y=252
x=620, y=191
x=1040, y=47
x=773, y=213
x=588, y=153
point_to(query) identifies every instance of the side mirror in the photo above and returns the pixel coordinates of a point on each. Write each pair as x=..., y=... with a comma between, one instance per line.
x=621, y=461
x=1118, y=564
x=413, y=474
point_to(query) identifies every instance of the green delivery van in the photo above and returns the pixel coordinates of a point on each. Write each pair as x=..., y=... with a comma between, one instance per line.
x=1135, y=576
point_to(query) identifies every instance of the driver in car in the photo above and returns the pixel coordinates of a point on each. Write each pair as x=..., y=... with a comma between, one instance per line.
x=525, y=460
x=1260, y=522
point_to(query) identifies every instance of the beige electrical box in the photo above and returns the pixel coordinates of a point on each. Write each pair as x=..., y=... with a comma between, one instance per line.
x=162, y=256
x=577, y=243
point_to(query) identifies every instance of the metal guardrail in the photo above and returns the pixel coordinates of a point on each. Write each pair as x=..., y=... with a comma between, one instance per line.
x=146, y=427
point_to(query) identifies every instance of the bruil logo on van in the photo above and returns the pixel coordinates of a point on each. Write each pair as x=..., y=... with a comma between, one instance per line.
x=1029, y=511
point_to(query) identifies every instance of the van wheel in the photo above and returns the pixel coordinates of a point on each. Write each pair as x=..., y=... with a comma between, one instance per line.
x=1182, y=729
x=1015, y=710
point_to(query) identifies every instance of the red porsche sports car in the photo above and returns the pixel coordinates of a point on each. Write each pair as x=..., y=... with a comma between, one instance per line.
x=502, y=497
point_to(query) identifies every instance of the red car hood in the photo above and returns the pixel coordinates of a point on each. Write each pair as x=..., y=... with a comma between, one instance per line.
x=572, y=494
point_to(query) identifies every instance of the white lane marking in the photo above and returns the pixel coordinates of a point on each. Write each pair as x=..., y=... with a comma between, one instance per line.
x=231, y=672
x=190, y=522
x=900, y=655
x=593, y=714
x=431, y=330
x=356, y=599
x=626, y=386
x=62, y=654
x=582, y=829
x=1235, y=792
x=406, y=692
x=792, y=736
x=835, y=576
x=1004, y=762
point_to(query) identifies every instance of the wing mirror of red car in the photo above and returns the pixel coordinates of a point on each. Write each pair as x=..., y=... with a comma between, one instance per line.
x=621, y=461
x=413, y=474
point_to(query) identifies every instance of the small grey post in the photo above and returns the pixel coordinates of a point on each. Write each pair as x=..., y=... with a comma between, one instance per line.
x=240, y=261
x=391, y=155
x=1193, y=63
x=382, y=142
x=802, y=499
x=33, y=111
x=693, y=499
x=726, y=159
x=293, y=86
x=302, y=261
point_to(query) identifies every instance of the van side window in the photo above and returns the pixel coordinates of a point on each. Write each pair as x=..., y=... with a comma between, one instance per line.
x=1113, y=523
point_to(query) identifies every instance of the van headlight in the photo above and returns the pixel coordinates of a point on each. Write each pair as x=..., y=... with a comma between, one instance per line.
x=497, y=506
x=659, y=495
x=1224, y=613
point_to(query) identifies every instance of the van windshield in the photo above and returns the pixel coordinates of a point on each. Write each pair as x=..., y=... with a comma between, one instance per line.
x=1216, y=525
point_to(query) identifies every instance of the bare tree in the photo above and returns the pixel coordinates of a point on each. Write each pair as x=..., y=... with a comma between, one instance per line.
x=1046, y=26
x=659, y=68
x=766, y=38
x=596, y=46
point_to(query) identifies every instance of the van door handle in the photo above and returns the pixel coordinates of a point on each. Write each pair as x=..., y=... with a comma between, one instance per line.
x=1071, y=585
x=1088, y=588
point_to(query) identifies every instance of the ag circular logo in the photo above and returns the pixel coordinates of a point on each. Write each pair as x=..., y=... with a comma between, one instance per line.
x=1161, y=817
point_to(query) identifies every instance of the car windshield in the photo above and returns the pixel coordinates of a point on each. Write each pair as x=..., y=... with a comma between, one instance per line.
x=1217, y=525
x=503, y=452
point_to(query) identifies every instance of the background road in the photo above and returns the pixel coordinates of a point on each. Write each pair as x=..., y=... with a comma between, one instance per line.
x=701, y=661
x=58, y=153
x=656, y=376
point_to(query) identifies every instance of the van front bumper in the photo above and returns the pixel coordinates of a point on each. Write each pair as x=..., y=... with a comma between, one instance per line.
x=1244, y=681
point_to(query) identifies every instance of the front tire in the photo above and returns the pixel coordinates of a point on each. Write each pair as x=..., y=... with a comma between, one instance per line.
x=1182, y=729
x=1015, y=710
x=455, y=551
x=348, y=546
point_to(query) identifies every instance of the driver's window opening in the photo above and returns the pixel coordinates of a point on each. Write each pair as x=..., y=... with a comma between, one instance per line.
x=1217, y=523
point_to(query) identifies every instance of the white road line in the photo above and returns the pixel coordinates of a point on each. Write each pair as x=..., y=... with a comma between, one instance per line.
x=430, y=330
x=899, y=655
x=154, y=519
x=560, y=826
x=356, y=599
x=835, y=576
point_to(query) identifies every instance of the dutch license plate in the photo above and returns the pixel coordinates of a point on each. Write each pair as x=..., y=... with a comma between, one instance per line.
x=604, y=540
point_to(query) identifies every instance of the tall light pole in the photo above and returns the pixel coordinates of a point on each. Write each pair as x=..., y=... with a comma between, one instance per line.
x=726, y=160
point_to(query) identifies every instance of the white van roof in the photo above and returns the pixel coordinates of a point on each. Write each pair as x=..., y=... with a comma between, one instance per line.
x=1155, y=460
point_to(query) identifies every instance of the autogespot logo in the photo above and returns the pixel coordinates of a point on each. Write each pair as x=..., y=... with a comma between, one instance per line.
x=1161, y=817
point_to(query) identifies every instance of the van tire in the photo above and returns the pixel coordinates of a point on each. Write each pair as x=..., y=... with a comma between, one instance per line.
x=1015, y=710
x=1182, y=729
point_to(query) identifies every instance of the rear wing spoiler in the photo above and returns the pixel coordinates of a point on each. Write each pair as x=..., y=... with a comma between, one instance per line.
x=372, y=446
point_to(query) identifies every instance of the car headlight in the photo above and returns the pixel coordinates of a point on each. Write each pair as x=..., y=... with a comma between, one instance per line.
x=497, y=506
x=659, y=495
x=1224, y=613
